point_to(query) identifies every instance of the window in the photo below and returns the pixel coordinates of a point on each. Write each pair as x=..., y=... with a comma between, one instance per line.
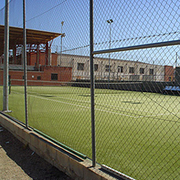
x=151, y=71
x=39, y=77
x=131, y=69
x=107, y=68
x=95, y=67
x=54, y=76
x=80, y=66
x=141, y=70
x=120, y=69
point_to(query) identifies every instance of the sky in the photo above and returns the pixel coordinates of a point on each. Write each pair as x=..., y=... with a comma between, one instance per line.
x=134, y=22
x=2, y=3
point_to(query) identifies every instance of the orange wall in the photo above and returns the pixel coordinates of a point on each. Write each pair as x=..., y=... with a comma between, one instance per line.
x=54, y=59
x=31, y=59
x=168, y=73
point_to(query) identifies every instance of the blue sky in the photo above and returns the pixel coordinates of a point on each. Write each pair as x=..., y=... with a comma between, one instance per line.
x=135, y=22
x=2, y=2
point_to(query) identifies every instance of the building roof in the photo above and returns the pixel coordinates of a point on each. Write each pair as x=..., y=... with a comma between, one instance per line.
x=32, y=37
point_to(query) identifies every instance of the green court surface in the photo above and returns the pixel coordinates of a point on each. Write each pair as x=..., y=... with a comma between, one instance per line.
x=137, y=133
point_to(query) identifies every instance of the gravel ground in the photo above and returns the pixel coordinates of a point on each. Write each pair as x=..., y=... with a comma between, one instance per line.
x=19, y=162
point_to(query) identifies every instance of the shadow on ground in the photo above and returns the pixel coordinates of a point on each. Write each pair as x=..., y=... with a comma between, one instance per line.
x=33, y=165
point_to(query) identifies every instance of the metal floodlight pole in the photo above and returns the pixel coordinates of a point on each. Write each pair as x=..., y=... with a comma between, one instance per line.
x=92, y=86
x=62, y=23
x=25, y=61
x=6, y=58
x=109, y=22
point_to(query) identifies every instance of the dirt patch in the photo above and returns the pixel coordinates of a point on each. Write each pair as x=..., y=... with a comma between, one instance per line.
x=20, y=162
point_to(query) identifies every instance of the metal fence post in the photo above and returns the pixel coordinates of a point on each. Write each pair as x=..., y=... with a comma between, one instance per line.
x=25, y=61
x=6, y=58
x=92, y=86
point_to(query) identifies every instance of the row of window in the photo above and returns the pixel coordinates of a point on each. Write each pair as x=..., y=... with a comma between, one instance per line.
x=53, y=77
x=80, y=67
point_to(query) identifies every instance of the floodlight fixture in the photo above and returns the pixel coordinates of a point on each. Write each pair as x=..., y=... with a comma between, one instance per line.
x=63, y=35
x=109, y=21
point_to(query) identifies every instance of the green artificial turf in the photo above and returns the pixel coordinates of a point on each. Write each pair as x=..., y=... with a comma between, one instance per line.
x=137, y=133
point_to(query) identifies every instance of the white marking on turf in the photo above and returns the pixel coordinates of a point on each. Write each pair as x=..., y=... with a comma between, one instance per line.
x=138, y=116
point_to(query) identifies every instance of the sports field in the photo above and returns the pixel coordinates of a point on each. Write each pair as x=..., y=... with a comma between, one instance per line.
x=136, y=133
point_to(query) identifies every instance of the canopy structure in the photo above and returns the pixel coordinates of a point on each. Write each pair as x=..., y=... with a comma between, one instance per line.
x=32, y=37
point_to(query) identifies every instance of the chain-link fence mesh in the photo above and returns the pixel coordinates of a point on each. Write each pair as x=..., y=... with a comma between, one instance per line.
x=55, y=107
x=137, y=129
x=136, y=102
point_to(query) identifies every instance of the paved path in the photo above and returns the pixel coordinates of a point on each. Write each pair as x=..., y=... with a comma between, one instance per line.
x=19, y=162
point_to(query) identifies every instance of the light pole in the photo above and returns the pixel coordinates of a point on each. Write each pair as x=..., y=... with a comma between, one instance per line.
x=110, y=21
x=62, y=35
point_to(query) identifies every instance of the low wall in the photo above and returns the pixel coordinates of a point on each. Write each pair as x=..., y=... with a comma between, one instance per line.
x=141, y=86
x=71, y=164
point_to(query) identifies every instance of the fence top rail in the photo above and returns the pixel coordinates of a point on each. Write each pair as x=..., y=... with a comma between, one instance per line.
x=142, y=46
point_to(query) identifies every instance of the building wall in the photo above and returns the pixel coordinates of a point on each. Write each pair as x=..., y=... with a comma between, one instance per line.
x=141, y=71
x=32, y=59
x=177, y=76
x=169, y=73
x=54, y=59
x=43, y=77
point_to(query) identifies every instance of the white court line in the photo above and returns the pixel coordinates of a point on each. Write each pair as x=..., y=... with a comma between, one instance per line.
x=124, y=109
x=99, y=104
x=90, y=107
x=77, y=105
x=64, y=98
x=107, y=106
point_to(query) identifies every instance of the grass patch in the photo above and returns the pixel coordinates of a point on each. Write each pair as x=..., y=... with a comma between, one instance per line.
x=136, y=133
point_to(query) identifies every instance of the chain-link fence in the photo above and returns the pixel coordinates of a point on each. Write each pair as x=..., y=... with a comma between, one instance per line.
x=138, y=127
x=136, y=79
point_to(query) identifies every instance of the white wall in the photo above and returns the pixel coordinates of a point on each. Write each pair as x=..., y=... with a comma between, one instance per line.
x=101, y=73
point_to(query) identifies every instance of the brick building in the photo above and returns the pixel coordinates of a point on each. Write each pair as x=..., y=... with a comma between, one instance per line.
x=48, y=75
x=42, y=66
